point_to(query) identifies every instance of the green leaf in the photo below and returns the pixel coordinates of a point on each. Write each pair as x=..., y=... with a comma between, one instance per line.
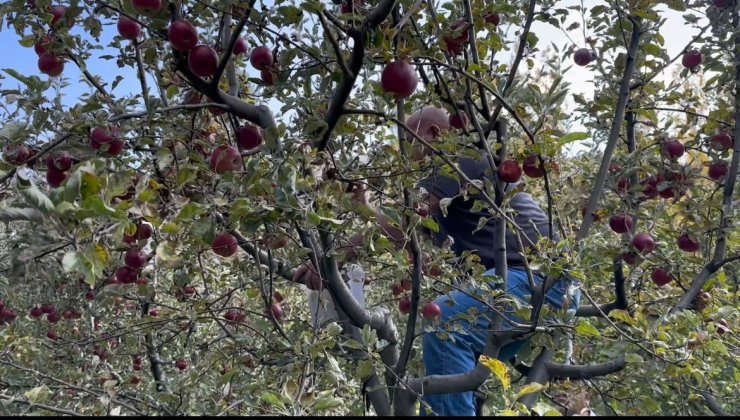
x=364, y=369
x=585, y=329
x=327, y=403
x=273, y=399
x=33, y=195
x=571, y=137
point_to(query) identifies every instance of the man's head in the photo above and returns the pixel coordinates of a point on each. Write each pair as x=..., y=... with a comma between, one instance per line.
x=429, y=123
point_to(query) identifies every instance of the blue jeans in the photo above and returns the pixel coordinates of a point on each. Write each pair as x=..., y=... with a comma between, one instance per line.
x=459, y=351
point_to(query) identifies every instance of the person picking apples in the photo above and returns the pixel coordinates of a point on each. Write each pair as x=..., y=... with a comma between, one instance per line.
x=459, y=353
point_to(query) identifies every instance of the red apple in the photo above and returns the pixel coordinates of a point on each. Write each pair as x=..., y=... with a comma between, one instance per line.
x=126, y=275
x=407, y=285
x=182, y=35
x=135, y=380
x=673, y=149
x=36, y=312
x=509, y=171
x=181, y=364
x=128, y=28
x=396, y=289
x=650, y=186
x=224, y=159
x=661, y=276
x=691, y=59
x=90, y=296
x=48, y=308
x=188, y=290
x=261, y=58
x=492, y=18
x=721, y=3
x=142, y=281
x=614, y=168
x=16, y=155
x=135, y=258
x=144, y=231
x=59, y=161
x=643, y=243
x=621, y=223
x=51, y=335
x=688, y=243
x=623, y=185
x=154, y=312
x=55, y=178
x=277, y=311
x=399, y=79
x=113, y=148
x=148, y=8
x=240, y=47
x=249, y=137
x=431, y=311
x=203, y=60
x=532, y=167
x=404, y=305
x=720, y=141
x=50, y=65
x=40, y=46
x=458, y=120
x=57, y=11
x=583, y=57
x=457, y=36
x=53, y=317
x=718, y=170
x=224, y=245
x=7, y=315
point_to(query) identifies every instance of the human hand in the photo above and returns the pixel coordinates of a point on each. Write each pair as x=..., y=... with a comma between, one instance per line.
x=311, y=277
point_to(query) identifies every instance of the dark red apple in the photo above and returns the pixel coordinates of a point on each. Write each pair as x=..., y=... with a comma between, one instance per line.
x=458, y=120
x=148, y=8
x=42, y=44
x=718, y=170
x=583, y=57
x=399, y=79
x=51, y=335
x=48, y=308
x=249, y=137
x=456, y=37
x=623, y=185
x=643, y=243
x=509, y=171
x=135, y=258
x=431, y=311
x=203, y=60
x=224, y=159
x=396, y=289
x=492, y=18
x=532, y=167
x=154, y=312
x=661, y=276
x=721, y=3
x=720, y=141
x=59, y=161
x=50, y=65
x=688, y=243
x=188, y=290
x=261, y=58
x=673, y=149
x=182, y=35
x=621, y=223
x=691, y=59
x=128, y=28
x=404, y=305
x=614, y=168
x=240, y=47
x=55, y=178
x=277, y=311
x=224, y=245
x=7, y=315
x=650, y=186
x=36, y=312
x=90, y=296
x=135, y=380
x=53, y=317
x=16, y=155
x=277, y=297
x=144, y=231
x=58, y=13
x=127, y=275
x=181, y=364
x=267, y=77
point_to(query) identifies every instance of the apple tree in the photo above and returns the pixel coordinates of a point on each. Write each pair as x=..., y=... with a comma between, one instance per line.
x=150, y=236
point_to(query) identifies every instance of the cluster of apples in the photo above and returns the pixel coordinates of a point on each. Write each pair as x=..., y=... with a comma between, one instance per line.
x=53, y=316
x=400, y=290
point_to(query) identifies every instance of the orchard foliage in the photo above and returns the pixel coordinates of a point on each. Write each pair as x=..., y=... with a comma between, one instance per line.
x=149, y=236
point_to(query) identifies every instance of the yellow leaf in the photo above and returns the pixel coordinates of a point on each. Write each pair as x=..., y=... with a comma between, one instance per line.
x=498, y=368
x=529, y=389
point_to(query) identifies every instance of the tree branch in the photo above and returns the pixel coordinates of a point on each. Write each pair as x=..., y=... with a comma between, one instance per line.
x=556, y=370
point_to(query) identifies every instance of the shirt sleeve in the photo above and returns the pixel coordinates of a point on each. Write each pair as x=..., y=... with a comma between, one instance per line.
x=440, y=185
